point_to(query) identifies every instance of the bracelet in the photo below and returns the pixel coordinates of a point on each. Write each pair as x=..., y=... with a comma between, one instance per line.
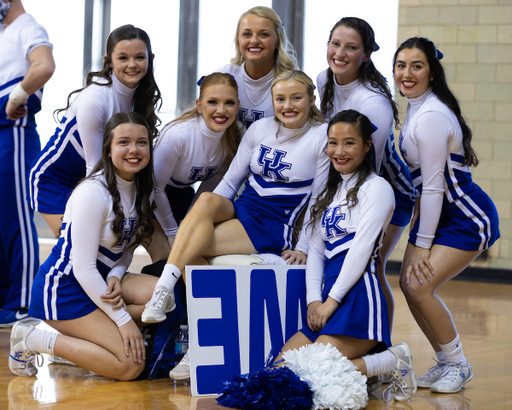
x=18, y=94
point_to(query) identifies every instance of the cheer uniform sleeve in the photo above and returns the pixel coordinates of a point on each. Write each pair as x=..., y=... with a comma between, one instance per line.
x=376, y=204
x=315, y=267
x=166, y=155
x=322, y=172
x=239, y=167
x=379, y=112
x=89, y=210
x=90, y=117
x=34, y=36
x=431, y=134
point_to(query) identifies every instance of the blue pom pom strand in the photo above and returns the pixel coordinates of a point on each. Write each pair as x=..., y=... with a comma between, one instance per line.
x=268, y=388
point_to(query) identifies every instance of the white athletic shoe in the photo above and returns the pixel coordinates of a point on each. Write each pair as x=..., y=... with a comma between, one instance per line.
x=161, y=303
x=432, y=376
x=21, y=359
x=374, y=382
x=182, y=370
x=454, y=377
x=403, y=384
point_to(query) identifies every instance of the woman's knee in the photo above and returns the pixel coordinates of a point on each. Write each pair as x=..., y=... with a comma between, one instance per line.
x=129, y=370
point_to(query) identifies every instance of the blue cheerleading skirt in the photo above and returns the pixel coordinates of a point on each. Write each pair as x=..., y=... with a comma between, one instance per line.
x=363, y=312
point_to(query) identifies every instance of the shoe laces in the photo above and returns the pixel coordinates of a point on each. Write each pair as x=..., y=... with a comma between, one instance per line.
x=157, y=299
x=451, y=371
x=437, y=369
x=396, y=383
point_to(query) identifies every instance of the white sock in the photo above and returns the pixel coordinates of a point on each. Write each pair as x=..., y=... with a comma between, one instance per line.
x=41, y=341
x=379, y=363
x=453, y=351
x=440, y=356
x=169, y=277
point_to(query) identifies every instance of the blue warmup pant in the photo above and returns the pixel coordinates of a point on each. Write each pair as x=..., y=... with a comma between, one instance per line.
x=19, y=248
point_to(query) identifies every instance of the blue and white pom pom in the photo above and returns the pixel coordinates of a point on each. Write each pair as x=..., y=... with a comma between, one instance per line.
x=267, y=388
x=335, y=381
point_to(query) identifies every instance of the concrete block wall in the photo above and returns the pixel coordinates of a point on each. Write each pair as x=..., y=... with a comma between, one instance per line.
x=475, y=37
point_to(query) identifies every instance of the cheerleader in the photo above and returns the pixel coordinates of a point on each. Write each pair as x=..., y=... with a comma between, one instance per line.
x=346, y=305
x=353, y=82
x=196, y=147
x=262, y=53
x=286, y=160
x=75, y=148
x=83, y=290
x=454, y=219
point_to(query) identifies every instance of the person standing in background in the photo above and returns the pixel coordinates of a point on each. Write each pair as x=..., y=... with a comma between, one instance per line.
x=262, y=53
x=27, y=65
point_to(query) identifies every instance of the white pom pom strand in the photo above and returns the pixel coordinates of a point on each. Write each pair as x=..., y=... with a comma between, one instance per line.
x=335, y=381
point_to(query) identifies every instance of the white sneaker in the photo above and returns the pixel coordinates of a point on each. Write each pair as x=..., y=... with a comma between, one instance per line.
x=182, y=370
x=21, y=359
x=161, y=303
x=374, y=382
x=433, y=375
x=403, y=380
x=455, y=376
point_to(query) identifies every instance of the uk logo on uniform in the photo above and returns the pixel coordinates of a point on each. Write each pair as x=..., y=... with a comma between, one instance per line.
x=201, y=173
x=331, y=220
x=273, y=164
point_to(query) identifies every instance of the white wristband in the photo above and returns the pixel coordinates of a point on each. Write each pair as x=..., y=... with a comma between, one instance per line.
x=18, y=94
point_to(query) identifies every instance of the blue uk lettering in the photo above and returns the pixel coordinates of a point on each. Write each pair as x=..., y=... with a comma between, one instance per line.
x=255, y=310
x=202, y=173
x=403, y=151
x=273, y=165
x=331, y=222
x=248, y=119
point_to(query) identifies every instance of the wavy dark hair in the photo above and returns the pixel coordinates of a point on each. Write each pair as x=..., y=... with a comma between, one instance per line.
x=233, y=134
x=147, y=97
x=334, y=180
x=143, y=181
x=368, y=73
x=440, y=88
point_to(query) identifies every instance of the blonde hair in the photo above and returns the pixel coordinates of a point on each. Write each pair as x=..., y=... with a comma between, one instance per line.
x=315, y=116
x=284, y=55
x=233, y=134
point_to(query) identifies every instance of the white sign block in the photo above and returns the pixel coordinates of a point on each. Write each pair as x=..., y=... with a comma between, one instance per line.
x=237, y=315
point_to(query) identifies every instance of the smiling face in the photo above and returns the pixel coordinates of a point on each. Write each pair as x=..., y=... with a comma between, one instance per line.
x=345, y=54
x=218, y=106
x=292, y=103
x=346, y=148
x=129, y=150
x=130, y=62
x=412, y=72
x=257, y=41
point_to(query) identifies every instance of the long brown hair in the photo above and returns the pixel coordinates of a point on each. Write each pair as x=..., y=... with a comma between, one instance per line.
x=334, y=180
x=440, y=88
x=368, y=73
x=143, y=181
x=147, y=97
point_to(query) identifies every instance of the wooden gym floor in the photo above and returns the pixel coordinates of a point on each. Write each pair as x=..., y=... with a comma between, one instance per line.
x=481, y=311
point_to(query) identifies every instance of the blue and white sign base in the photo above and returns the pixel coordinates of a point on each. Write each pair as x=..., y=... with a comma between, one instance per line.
x=237, y=315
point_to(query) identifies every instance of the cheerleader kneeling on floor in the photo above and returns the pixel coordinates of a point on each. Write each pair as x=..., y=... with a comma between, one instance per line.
x=350, y=314
x=83, y=290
